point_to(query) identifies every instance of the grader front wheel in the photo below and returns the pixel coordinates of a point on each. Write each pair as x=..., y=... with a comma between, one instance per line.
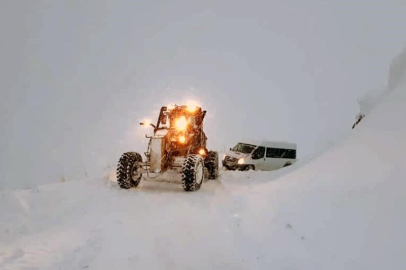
x=192, y=173
x=128, y=175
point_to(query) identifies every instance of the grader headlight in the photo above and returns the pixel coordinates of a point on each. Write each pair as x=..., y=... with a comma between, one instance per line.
x=181, y=123
x=182, y=139
x=191, y=108
x=146, y=123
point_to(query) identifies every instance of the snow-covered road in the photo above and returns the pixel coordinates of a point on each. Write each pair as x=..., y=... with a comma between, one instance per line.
x=343, y=209
x=97, y=225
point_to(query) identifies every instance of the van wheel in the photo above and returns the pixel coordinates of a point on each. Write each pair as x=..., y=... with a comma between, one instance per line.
x=247, y=168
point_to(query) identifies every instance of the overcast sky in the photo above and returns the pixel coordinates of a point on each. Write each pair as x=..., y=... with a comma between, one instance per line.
x=78, y=76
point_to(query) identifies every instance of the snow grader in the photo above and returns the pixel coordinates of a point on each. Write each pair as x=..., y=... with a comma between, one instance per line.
x=178, y=144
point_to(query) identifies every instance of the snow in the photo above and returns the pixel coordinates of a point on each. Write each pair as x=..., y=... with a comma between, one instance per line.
x=342, y=209
x=397, y=77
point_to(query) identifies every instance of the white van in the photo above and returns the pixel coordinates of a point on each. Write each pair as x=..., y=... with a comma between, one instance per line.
x=260, y=155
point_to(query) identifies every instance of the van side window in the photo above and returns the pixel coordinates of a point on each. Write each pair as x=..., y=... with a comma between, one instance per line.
x=273, y=152
x=280, y=153
x=258, y=153
x=284, y=153
x=290, y=153
x=268, y=152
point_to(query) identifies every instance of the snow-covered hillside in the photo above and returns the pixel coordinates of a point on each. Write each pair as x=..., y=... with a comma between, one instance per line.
x=341, y=210
x=76, y=77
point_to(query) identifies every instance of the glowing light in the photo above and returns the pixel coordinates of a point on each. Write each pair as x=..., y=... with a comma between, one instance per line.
x=182, y=139
x=192, y=106
x=241, y=161
x=202, y=152
x=147, y=122
x=181, y=123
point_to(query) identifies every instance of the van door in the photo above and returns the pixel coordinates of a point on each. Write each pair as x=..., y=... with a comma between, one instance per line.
x=269, y=159
x=280, y=161
x=289, y=157
x=258, y=158
x=273, y=160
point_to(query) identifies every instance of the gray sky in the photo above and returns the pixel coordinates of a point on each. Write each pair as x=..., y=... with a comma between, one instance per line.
x=78, y=76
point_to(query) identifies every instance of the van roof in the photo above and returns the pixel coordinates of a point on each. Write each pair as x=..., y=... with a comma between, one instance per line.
x=268, y=143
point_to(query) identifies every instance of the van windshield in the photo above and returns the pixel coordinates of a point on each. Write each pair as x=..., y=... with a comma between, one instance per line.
x=244, y=148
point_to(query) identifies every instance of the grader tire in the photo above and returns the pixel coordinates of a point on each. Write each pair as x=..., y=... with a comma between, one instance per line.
x=192, y=173
x=212, y=165
x=127, y=167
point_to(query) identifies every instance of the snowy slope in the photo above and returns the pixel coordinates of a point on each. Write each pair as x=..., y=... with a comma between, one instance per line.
x=341, y=210
x=77, y=76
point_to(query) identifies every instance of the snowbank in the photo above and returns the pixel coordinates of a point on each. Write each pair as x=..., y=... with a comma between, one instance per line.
x=396, y=79
x=341, y=210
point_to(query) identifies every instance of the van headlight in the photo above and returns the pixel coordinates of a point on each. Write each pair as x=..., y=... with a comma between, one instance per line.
x=241, y=161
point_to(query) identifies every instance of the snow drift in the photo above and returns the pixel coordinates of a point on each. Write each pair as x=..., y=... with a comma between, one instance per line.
x=342, y=210
x=397, y=77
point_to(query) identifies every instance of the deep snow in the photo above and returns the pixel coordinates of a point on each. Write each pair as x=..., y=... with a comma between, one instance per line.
x=77, y=76
x=343, y=209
